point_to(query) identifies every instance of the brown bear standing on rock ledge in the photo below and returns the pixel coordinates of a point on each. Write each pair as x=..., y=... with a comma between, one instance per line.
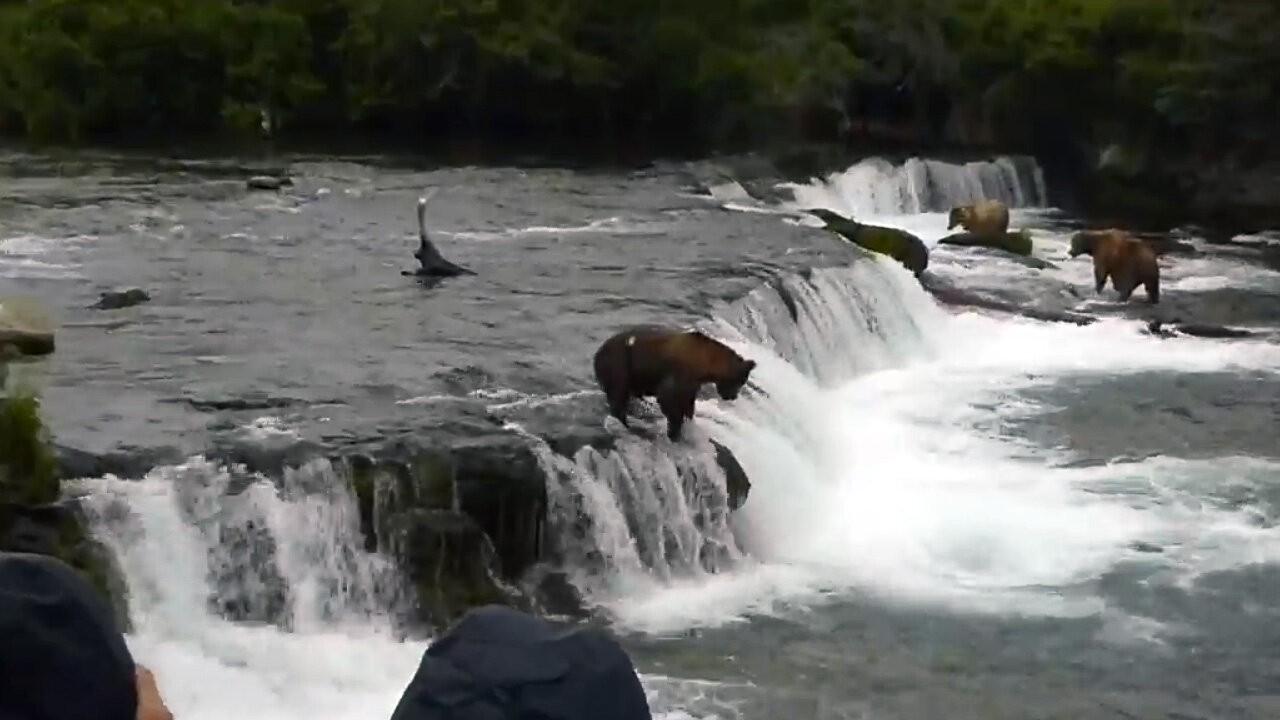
x=985, y=218
x=1128, y=261
x=669, y=365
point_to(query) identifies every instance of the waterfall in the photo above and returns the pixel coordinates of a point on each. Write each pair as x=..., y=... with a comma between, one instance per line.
x=200, y=544
x=649, y=513
x=875, y=186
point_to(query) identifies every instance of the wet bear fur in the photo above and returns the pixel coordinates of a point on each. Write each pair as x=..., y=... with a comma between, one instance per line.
x=1129, y=262
x=669, y=365
x=985, y=218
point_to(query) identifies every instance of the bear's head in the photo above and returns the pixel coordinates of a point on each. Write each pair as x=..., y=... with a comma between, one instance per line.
x=959, y=215
x=730, y=386
x=1081, y=244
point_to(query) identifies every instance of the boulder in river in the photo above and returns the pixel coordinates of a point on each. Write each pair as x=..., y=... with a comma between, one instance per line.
x=25, y=329
x=897, y=244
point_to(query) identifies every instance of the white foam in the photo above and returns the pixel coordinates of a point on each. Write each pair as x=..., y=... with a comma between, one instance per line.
x=879, y=461
x=339, y=660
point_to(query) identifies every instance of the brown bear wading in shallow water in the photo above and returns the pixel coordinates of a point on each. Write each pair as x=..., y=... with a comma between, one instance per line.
x=985, y=218
x=669, y=365
x=1129, y=262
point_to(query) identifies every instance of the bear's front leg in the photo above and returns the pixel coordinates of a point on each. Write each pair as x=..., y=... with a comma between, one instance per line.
x=673, y=397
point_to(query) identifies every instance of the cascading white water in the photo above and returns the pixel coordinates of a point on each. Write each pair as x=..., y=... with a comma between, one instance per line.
x=875, y=437
x=316, y=637
x=877, y=187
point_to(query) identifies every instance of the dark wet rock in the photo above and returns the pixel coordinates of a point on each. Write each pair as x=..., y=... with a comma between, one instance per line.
x=551, y=592
x=16, y=342
x=251, y=401
x=448, y=560
x=1224, y=307
x=267, y=182
x=947, y=293
x=897, y=244
x=130, y=463
x=117, y=299
x=1016, y=242
x=501, y=484
x=1173, y=329
x=248, y=585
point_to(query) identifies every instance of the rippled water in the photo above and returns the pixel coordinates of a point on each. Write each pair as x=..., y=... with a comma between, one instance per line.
x=954, y=514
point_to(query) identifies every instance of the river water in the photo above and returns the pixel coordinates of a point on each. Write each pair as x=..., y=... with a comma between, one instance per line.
x=953, y=513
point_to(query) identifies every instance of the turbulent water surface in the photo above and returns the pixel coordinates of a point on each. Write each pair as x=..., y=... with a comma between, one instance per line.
x=954, y=513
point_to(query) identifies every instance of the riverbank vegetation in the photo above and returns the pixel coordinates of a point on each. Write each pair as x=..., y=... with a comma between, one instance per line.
x=1193, y=77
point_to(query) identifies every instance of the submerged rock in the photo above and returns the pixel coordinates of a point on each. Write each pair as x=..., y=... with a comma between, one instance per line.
x=1017, y=242
x=267, y=182
x=117, y=299
x=897, y=244
x=948, y=294
x=1174, y=328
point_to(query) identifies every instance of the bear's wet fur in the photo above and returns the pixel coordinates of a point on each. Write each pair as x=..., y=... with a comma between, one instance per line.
x=1129, y=262
x=669, y=365
x=985, y=218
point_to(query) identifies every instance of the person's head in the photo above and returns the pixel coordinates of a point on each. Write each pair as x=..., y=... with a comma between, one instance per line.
x=62, y=654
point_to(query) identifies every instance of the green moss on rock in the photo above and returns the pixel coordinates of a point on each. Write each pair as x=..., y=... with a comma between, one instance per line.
x=449, y=561
x=28, y=467
x=32, y=516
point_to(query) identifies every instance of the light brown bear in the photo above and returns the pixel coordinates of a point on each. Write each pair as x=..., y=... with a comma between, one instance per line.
x=985, y=218
x=667, y=364
x=1129, y=262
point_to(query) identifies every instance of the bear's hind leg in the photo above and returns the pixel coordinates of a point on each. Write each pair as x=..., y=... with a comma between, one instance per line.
x=1153, y=289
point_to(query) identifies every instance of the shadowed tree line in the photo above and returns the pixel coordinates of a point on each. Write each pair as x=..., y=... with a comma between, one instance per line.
x=1192, y=76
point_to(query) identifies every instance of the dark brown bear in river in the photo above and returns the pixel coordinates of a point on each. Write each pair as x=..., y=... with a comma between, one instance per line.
x=669, y=365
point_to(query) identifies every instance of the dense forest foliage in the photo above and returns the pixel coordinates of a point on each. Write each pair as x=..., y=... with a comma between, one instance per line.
x=1197, y=75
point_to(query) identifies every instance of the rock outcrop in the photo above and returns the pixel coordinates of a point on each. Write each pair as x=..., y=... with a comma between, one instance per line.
x=24, y=329
x=467, y=522
x=34, y=516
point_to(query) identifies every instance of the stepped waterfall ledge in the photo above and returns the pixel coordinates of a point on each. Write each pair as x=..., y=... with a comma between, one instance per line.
x=976, y=488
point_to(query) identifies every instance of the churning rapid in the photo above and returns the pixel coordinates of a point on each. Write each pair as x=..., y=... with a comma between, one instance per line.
x=891, y=446
x=882, y=441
